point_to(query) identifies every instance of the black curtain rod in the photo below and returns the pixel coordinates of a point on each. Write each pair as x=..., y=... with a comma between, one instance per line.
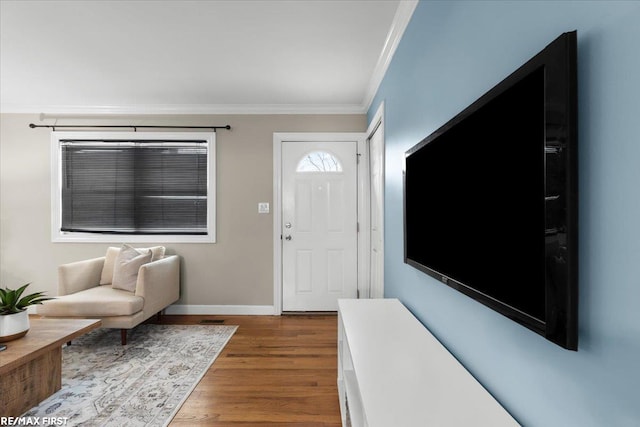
x=134, y=127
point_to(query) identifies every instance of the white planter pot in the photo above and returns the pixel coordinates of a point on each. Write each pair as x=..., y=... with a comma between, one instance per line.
x=13, y=326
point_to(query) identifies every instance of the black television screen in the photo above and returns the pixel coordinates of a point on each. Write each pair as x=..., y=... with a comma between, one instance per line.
x=490, y=198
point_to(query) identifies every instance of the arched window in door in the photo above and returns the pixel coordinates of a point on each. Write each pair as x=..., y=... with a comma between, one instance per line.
x=319, y=161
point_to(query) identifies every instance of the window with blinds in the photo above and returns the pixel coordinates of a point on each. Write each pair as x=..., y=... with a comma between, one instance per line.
x=135, y=184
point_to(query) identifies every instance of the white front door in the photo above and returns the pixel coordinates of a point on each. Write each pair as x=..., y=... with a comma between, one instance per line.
x=319, y=220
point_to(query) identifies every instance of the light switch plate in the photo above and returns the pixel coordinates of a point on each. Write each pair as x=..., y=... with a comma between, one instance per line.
x=263, y=207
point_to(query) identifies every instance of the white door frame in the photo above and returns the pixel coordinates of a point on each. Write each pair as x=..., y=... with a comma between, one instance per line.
x=377, y=124
x=278, y=139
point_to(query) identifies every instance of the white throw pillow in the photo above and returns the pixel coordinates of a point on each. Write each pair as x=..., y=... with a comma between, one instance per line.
x=125, y=269
x=157, y=252
x=107, y=268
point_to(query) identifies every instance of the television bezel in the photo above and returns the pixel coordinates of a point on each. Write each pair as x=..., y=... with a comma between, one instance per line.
x=560, y=325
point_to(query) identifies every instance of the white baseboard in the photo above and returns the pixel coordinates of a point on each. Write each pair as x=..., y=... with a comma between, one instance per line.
x=263, y=310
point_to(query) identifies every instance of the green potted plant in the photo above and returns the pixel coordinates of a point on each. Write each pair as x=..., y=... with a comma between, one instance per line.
x=14, y=319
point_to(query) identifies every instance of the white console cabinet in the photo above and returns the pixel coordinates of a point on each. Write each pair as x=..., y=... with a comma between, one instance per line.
x=392, y=372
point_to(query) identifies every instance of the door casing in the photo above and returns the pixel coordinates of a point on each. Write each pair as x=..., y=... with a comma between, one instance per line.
x=376, y=287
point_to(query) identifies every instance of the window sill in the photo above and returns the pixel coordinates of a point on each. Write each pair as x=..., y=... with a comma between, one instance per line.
x=62, y=237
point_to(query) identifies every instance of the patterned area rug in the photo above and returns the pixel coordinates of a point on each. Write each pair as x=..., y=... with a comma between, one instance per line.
x=141, y=384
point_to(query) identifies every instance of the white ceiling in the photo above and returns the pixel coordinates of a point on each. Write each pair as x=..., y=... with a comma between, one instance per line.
x=196, y=56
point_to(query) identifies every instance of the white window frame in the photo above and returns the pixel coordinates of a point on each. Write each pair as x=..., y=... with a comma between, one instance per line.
x=56, y=189
x=332, y=156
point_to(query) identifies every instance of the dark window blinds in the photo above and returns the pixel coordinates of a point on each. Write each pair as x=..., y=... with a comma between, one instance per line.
x=141, y=187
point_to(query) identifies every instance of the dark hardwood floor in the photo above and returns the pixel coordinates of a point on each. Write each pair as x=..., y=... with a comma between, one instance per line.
x=275, y=371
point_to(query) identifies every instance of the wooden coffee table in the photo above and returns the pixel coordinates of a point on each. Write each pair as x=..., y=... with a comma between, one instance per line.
x=31, y=366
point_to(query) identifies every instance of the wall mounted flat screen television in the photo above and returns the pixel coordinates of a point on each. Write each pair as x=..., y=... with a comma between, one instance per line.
x=491, y=197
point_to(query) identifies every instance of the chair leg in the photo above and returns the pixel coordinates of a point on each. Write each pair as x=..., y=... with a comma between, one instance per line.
x=123, y=336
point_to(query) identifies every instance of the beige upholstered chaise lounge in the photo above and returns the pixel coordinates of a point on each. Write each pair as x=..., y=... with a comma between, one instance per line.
x=123, y=288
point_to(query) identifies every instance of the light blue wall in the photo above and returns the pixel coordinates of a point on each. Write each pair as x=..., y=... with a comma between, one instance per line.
x=453, y=52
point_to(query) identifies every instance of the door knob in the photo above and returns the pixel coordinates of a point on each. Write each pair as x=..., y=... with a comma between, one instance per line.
x=288, y=237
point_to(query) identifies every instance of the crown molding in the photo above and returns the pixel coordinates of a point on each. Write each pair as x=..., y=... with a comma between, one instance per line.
x=178, y=109
x=398, y=26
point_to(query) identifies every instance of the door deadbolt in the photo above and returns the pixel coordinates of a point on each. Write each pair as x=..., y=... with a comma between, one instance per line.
x=287, y=225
